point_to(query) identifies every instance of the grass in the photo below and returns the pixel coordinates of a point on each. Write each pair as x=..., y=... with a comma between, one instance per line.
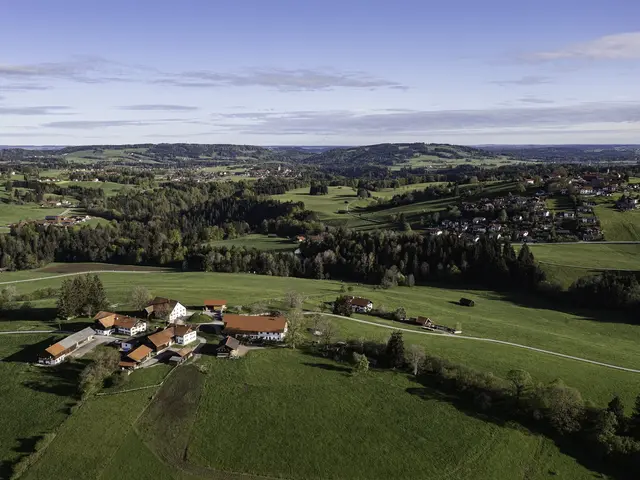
x=328, y=424
x=565, y=263
x=520, y=319
x=110, y=188
x=10, y=213
x=34, y=400
x=261, y=242
x=618, y=226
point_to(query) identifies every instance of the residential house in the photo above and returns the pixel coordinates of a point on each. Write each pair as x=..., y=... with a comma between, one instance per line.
x=136, y=357
x=228, y=348
x=182, y=355
x=57, y=352
x=161, y=340
x=104, y=322
x=215, y=305
x=184, y=334
x=424, y=321
x=107, y=323
x=359, y=304
x=256, y=327
x=586, y=190
x=161, y=307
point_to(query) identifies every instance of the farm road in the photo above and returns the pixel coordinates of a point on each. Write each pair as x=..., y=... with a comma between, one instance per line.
x=480, y=339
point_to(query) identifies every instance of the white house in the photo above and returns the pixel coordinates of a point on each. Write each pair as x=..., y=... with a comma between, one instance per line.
x=57, y=352
x=107, y=323
x=256, y=327
x=359, y=304
x=184, y=334
x=165, y=307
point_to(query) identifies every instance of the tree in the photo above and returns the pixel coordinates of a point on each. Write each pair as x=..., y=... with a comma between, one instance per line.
x=95, y=297
x=562, y=406
x=328, y=330
x=634, y=421
x=342, y=306
x=294, y=299
x=617, y=408
x=7, y=297
x=140, y=297
x=520, y=381
x=503, y=217
x=415, y=357
x=360, y=364
x=394, y=353
x=105, y=362
x=69, y=301
x=295, y=328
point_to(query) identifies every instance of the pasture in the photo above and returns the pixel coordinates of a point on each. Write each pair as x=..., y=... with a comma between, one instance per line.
x=618, y=226
x=260, y=242
x=516, y=318
x=11, y=213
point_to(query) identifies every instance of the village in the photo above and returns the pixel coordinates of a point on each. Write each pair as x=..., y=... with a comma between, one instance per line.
x=174, y=341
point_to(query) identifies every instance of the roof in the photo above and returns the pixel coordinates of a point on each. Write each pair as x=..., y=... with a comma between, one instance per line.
x=360, y=302
x=126, y=322
x=182, y=330
x=183, y=352
x=139, y=353
x=162, y=301
x=214, y=303
x=230, y=342
x=252, y=324
x=77, y=337
x=55, y=350
x=103, y=314
x=162, y=337
x=105, y=319
x=124, y=363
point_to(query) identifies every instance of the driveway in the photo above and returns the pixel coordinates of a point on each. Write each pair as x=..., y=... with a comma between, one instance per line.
x=97, y=340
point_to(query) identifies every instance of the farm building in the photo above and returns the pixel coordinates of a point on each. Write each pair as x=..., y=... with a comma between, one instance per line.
x=227, y=348
x=57, y=352
x=161, y=340
x=180, y=334
x=182, y=355
x=184, y=334
x=256, y=327
x=359, y=304
x=107, y=323
x=424, y=321
x=215, y=305
x=467, y=302
x=161, y=307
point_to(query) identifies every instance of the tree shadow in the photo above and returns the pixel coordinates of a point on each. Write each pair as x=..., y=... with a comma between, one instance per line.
x=61, y=380
x=30, y=352
x=502, y=413
x=32, y=313
x=329, y=367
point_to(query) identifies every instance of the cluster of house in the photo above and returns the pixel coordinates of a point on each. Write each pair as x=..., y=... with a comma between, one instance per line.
x=56, y=203
x=56, y=221
x=626, y=203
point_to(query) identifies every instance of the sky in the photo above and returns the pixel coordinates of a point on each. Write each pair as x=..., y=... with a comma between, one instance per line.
x=319, y=72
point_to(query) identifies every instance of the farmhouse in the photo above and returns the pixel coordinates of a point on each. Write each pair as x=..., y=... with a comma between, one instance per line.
x=57, y=352
x=184, y=334
x=228, y=348
x=161, y=340
x=107, y=323
x=256, y=327
x=424, y=321
x=165, y=307
x=215, y=305
x=182, y=355
x=359, y=304
x=180, y=334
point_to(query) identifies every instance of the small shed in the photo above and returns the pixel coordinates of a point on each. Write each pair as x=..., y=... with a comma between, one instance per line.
x=228, y=347
x=466, y=302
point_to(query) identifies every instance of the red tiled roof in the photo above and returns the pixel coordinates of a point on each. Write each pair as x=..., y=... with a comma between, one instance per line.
x=360, y=302
x=214, y=303
x=139, y=353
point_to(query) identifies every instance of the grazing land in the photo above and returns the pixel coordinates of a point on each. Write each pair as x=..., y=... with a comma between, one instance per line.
x=258, y=241
x=514, y=318
x=619, y=226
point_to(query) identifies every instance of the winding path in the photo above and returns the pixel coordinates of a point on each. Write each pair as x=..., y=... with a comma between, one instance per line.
x=479, y=339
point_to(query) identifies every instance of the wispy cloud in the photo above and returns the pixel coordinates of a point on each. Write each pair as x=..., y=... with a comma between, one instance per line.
x=40, y=110
x=346, y=123
x=535, y=100
x=93, y=124
x=526, y=81
x=22, y=87
x=280, y=79
x=622, y=46
x=159, y=108
x=83, y=69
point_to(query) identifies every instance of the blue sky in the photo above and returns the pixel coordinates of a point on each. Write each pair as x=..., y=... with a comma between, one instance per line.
x=319, y=72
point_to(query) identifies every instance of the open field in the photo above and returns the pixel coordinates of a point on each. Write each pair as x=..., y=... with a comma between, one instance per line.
x=435, y=162
x=622, y=226
x=34, y=400
x=109, y=188
x=10, y=213
x=565, y=263
x=261, y=242
x=519, y=318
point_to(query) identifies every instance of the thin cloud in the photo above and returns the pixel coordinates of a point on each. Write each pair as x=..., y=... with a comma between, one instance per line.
x=158, y=108
x=622, y=46
x=536, y=100
x=526, y=81
x=93, y=124
x=41, y=110
x=22, y=87
x=417, y=123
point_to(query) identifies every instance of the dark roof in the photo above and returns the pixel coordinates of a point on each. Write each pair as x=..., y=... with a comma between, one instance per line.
x=230, y=342
x=253, y=324
x=182, y=330
x=360, y=302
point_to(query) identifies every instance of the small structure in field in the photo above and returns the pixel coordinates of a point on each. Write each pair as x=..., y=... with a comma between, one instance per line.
x=228, y=348
x=466, y=302
x=215, y=306
x=361, y=305
x=424, y=321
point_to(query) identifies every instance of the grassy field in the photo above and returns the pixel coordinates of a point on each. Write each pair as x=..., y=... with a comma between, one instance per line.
x=34, y=400
x=519, y=319
x=10, y=213
x=564, y=264
x=110, y=188
x=261, y=242
x=621, y=226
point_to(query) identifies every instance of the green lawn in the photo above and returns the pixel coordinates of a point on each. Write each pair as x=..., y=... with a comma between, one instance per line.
x=261, y=242
x=10, y=213
x=327, y=424
x=622, y=226
x=35, y=400
x=520, y=319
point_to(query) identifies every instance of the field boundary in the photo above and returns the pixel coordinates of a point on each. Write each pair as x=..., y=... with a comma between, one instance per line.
x=481, y=339
x=88, y=272
x=104, y=394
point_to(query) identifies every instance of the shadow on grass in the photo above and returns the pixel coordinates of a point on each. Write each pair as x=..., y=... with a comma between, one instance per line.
x=61, y=380
x=329, y=367
x=32, y=313
x=30, y=351
x=502, y=413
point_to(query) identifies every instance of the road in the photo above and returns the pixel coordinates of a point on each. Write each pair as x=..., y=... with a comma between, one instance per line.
x=62, y=275
x=480, y=339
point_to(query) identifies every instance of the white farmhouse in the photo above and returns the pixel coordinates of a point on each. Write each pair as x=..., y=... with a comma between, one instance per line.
x=166, y=308
x=257, y=327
